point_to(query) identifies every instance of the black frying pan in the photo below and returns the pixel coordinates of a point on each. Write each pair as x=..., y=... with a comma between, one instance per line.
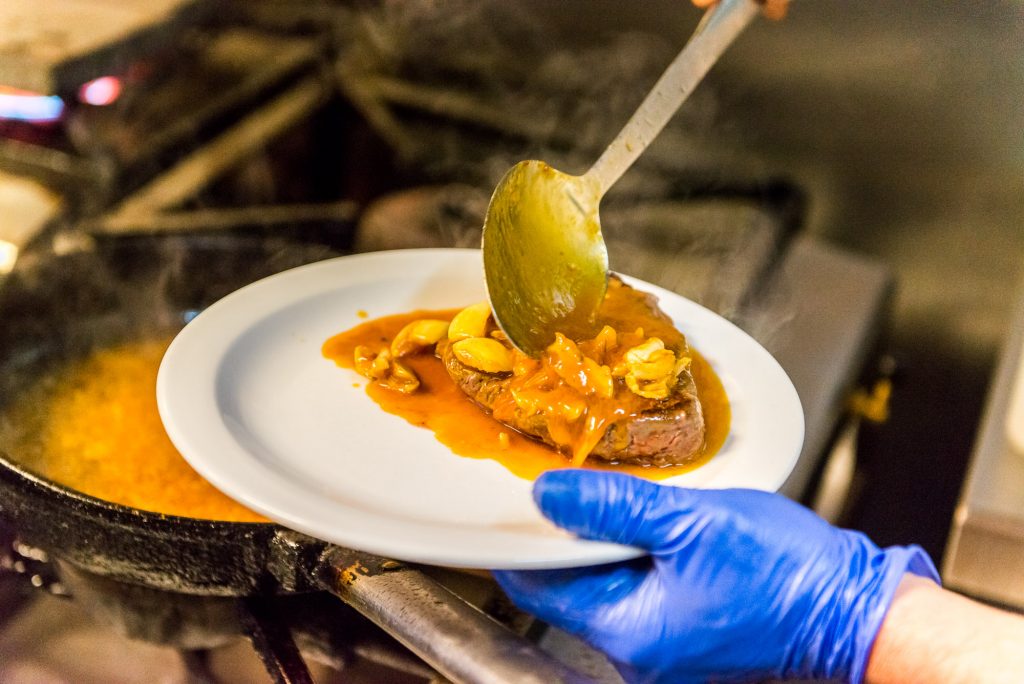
x=57, y=308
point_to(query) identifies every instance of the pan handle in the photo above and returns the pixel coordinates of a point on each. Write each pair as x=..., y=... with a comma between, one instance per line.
x=455, y=638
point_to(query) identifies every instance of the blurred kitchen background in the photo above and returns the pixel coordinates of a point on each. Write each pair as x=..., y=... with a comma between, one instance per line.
x=885, y=139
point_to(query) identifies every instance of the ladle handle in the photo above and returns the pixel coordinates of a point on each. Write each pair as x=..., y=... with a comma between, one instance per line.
x=716, y=31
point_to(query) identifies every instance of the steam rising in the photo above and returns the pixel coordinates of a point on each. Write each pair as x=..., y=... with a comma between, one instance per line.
x=440, y=79
x=463, y=90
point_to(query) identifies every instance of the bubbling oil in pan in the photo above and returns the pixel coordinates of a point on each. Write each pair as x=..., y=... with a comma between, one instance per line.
x=93, y=425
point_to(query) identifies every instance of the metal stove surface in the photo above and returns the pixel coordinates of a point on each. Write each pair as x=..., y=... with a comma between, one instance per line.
x=985, y=556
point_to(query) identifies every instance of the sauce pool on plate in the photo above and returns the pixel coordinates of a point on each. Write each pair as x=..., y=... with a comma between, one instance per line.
x=468, y=430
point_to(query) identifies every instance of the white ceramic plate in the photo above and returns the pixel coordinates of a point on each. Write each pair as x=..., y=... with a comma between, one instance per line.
x=248, y=399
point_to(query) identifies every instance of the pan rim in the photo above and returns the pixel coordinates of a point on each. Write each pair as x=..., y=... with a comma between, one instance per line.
x=116, y=512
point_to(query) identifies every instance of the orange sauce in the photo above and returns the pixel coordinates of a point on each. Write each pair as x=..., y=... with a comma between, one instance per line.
x=469, y=430
x=95, y=427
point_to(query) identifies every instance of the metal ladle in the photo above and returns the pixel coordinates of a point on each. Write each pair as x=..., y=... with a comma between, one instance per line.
x=545, y=260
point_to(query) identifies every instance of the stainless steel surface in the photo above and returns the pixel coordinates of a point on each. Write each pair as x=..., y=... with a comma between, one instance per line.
x=461, y=642
x=829, y=306
x=985, y=556
x=833, y=493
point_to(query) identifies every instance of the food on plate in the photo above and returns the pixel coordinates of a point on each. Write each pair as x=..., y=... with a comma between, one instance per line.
x=624, y=396
x=633, y=396
x=93, y=425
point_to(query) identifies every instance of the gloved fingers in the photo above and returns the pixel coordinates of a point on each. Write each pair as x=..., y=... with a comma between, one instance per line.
x=574, y=599
x=613, y=507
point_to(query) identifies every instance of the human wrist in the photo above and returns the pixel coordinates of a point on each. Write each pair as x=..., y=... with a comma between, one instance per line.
x=931, y=634
x=900, y=566
x=838, y=641
x=882, y=574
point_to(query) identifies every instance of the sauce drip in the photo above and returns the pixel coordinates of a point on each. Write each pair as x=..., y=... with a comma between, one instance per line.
x=469, y=430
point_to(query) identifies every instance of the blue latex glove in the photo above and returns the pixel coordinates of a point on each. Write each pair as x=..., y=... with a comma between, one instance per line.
x=740, y=585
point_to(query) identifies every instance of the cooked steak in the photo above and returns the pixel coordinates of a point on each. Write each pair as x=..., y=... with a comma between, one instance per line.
x=625, y=396
x=668, y=431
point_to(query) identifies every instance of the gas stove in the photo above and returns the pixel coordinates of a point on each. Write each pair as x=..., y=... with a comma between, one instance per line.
x=315, y=126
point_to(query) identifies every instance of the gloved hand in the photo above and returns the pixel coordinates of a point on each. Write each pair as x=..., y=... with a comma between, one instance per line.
x=741, y=585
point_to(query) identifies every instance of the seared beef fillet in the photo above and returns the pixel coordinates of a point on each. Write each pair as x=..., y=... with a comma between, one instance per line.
x=669, y=432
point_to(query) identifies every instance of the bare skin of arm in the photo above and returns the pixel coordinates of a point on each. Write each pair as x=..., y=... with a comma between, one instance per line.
x=934, y=635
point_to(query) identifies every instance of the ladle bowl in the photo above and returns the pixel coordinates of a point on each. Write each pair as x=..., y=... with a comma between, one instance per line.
x=545, y=261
